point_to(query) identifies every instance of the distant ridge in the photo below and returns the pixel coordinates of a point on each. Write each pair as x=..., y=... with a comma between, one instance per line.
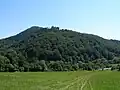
x=55, y=49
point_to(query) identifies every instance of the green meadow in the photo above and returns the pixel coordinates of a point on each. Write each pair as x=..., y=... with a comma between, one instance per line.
x=80, y=80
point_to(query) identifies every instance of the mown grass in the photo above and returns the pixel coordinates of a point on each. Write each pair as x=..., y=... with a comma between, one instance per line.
x=81, y=80
x=106, y=81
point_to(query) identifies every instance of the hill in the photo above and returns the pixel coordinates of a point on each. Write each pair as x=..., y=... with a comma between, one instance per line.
x=54, y=49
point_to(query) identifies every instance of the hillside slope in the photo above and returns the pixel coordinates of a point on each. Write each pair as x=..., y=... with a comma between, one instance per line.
x=41, y=49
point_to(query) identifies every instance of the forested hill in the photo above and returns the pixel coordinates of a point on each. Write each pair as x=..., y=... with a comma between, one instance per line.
x=54, y=49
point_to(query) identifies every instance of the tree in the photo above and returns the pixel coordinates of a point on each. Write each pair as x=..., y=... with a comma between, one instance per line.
x=75, y=67
x=4, y=61
x=43, y=65
x=11, y=68
x=113, y=68
x=55, y=66
x=118, y=67
x=21, y=69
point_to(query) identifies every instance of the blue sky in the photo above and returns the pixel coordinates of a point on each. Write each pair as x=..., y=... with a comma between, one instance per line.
x=100, y=17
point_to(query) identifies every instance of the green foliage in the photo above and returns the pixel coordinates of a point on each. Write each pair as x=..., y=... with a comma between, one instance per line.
x=44, y=49
x=113, y=68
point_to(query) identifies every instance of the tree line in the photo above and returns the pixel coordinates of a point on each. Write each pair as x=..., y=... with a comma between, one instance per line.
x=54, y=49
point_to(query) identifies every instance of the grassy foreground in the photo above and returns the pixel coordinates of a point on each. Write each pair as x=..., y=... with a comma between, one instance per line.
x=81, y=80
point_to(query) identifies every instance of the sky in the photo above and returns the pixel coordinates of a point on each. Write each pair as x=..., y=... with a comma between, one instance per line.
x=99, y=17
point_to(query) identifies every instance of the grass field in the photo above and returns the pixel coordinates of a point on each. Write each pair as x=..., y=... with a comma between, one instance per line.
x=81, y=80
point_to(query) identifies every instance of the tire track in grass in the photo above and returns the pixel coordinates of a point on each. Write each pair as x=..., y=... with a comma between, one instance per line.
x=79, y=79
x=71, y=84
x=83, y=84
x=80, y=83
x=63, y=83
x=91, y=88
x=67, y=86
x=86, y=80
x=51, y=87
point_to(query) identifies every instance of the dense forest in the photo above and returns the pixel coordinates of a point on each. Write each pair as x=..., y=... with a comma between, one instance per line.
x=55, y=49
